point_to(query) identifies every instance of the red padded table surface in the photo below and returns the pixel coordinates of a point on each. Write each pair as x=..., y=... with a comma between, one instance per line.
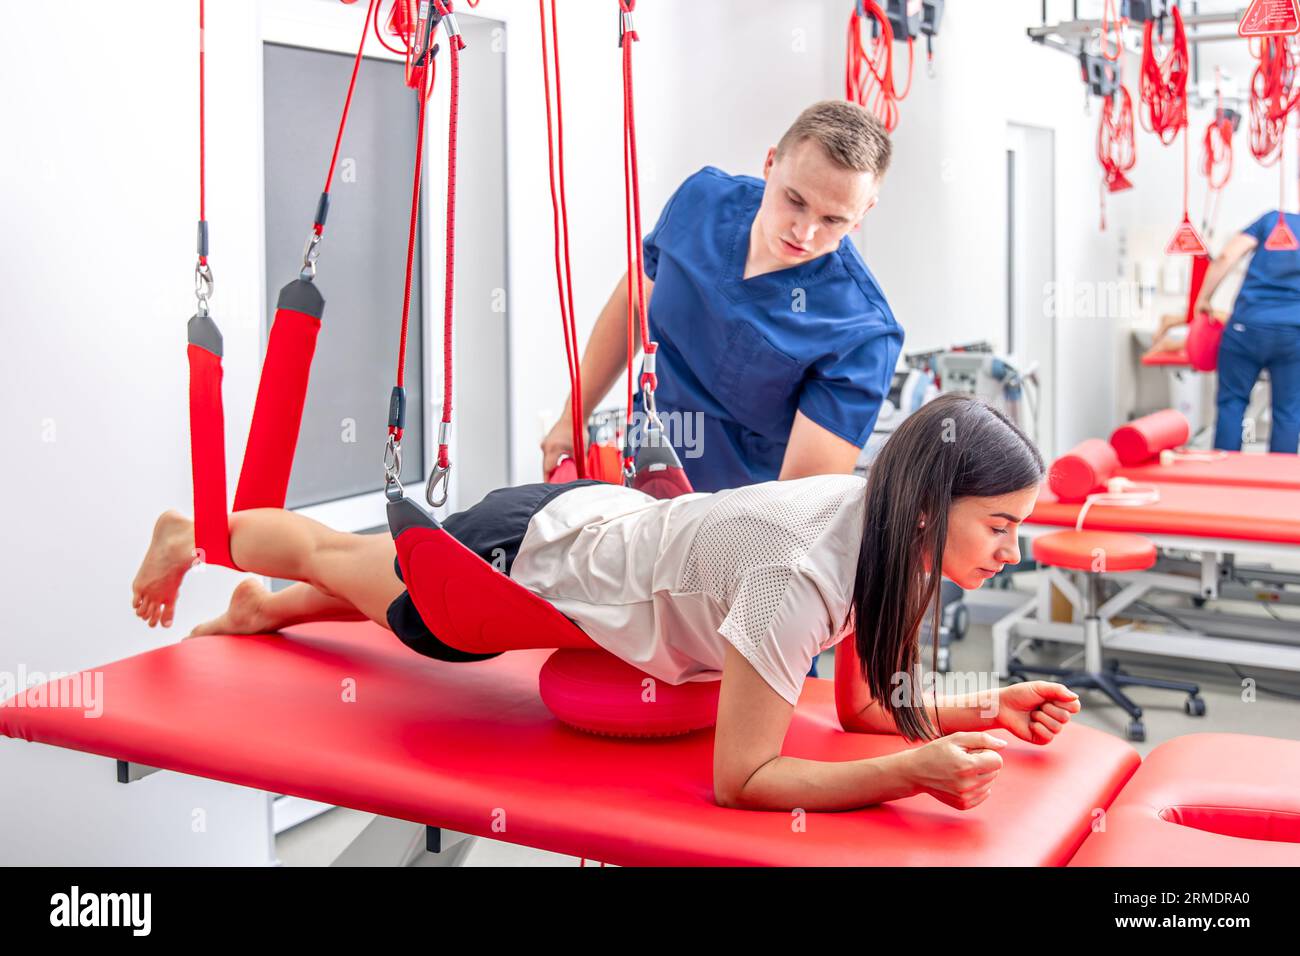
x=1202, y=511
x=1170, y=357
x=1238, y=469
x=464, y=745
x=1205, y=800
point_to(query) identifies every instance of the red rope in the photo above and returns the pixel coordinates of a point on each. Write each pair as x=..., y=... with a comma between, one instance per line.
x=453, y=126
x=203, y=188
x=869, y=67
x=1163, y=85
x=1274, y=93
x=560, y=227
x=632, y=216
x=347, y=105
x=1112, y=25
x=1116, y=144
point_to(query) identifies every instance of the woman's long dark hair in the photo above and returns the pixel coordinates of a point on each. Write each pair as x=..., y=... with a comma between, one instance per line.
x=954, y=447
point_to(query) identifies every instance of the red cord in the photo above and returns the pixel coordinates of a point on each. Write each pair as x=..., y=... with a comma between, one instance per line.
x=203, y=187
x=427, y=76
x=456, y=44
x=1116, y=144
x=1112, y=24
x=632, y=217
x=319, y=227
x=869, y=68
x=1216, y=157
x=560, y=227
x=1163, y=86
x=1274, y=93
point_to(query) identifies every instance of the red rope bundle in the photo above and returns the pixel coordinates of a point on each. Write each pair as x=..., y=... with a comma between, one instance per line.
x=1116, y=144
x=1216, y=157
x=869, y=69
x=1163, y=85
x=1273, y=95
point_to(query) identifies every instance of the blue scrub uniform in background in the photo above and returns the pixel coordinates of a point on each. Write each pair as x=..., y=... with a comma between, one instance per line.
x=746, y=353
x=1263, y=333
x=737, y=357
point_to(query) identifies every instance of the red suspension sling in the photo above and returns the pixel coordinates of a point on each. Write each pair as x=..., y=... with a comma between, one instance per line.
x=461, y=598
x=282, y=390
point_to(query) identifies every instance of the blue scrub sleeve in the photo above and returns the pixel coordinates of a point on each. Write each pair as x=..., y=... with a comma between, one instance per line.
x=650, y=244
x=843, y=392
x=1261, y=227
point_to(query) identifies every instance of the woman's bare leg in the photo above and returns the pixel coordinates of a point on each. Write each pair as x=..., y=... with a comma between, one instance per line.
x=352, y=568
x=255, y=610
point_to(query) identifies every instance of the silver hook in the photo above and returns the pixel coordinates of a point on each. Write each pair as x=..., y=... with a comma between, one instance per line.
x=439, y=476
x=393, y=469
x=310, y=251
x=203, y=285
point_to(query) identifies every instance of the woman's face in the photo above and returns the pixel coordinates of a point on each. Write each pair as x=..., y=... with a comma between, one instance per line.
x=982, y=536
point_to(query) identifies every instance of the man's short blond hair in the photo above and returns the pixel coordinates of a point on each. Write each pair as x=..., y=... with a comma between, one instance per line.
x=850, y=135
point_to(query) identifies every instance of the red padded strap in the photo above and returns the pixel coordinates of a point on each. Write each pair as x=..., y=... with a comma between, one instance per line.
x=273, y=436
x=668, y=483
x=473, y=607
x=208, y=458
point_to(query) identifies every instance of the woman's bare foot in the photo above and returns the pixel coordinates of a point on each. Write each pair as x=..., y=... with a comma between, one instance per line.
x=170, y=555
x=245, y=614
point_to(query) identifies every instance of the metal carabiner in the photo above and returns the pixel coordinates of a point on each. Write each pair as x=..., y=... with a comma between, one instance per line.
x=441, y=475
x=393, y=490
x=310, y=251
x=203, y=285
x=651, y=410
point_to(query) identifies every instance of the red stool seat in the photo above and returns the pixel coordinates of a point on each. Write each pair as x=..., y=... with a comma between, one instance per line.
x=1081, y=551
x=1205, y=800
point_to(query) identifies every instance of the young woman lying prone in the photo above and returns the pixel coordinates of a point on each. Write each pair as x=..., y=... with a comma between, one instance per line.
x=745, y=584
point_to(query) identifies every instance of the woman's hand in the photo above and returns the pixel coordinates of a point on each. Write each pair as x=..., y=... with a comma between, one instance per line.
x=958, y=769
x=1036, y=710
x=558, y=441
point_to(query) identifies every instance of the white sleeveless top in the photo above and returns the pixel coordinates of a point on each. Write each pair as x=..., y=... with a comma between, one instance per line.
x=664, y=585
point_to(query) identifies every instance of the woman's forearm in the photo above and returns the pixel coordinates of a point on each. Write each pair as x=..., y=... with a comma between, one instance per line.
x=975, y=711
x=790, y=783
x=606, y=353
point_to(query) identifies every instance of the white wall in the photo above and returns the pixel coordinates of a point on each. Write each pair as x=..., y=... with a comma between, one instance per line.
x=96, y=256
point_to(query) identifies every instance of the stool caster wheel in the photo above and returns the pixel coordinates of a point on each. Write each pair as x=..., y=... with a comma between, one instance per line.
x=1112, y=666
x=1194, y=707
x=1136, y=731
x=960, y=622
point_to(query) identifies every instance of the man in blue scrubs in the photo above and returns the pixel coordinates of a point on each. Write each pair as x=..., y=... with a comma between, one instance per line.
x=1262, y=333
x=776, y=344
x=774, y=337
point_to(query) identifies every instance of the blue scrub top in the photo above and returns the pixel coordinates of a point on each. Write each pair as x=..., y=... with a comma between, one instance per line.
x=818, y=337
x=1270, y=292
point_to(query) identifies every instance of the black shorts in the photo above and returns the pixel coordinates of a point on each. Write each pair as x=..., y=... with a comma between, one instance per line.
x=493, y=529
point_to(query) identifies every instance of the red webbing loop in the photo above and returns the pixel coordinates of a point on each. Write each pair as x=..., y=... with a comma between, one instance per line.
x=560, y=228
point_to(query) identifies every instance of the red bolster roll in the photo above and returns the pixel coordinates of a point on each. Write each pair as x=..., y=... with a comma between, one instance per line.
x=1145, y=438
x=1083, y=470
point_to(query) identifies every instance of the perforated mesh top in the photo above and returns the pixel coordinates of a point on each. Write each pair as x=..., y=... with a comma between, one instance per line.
x=666, y=585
